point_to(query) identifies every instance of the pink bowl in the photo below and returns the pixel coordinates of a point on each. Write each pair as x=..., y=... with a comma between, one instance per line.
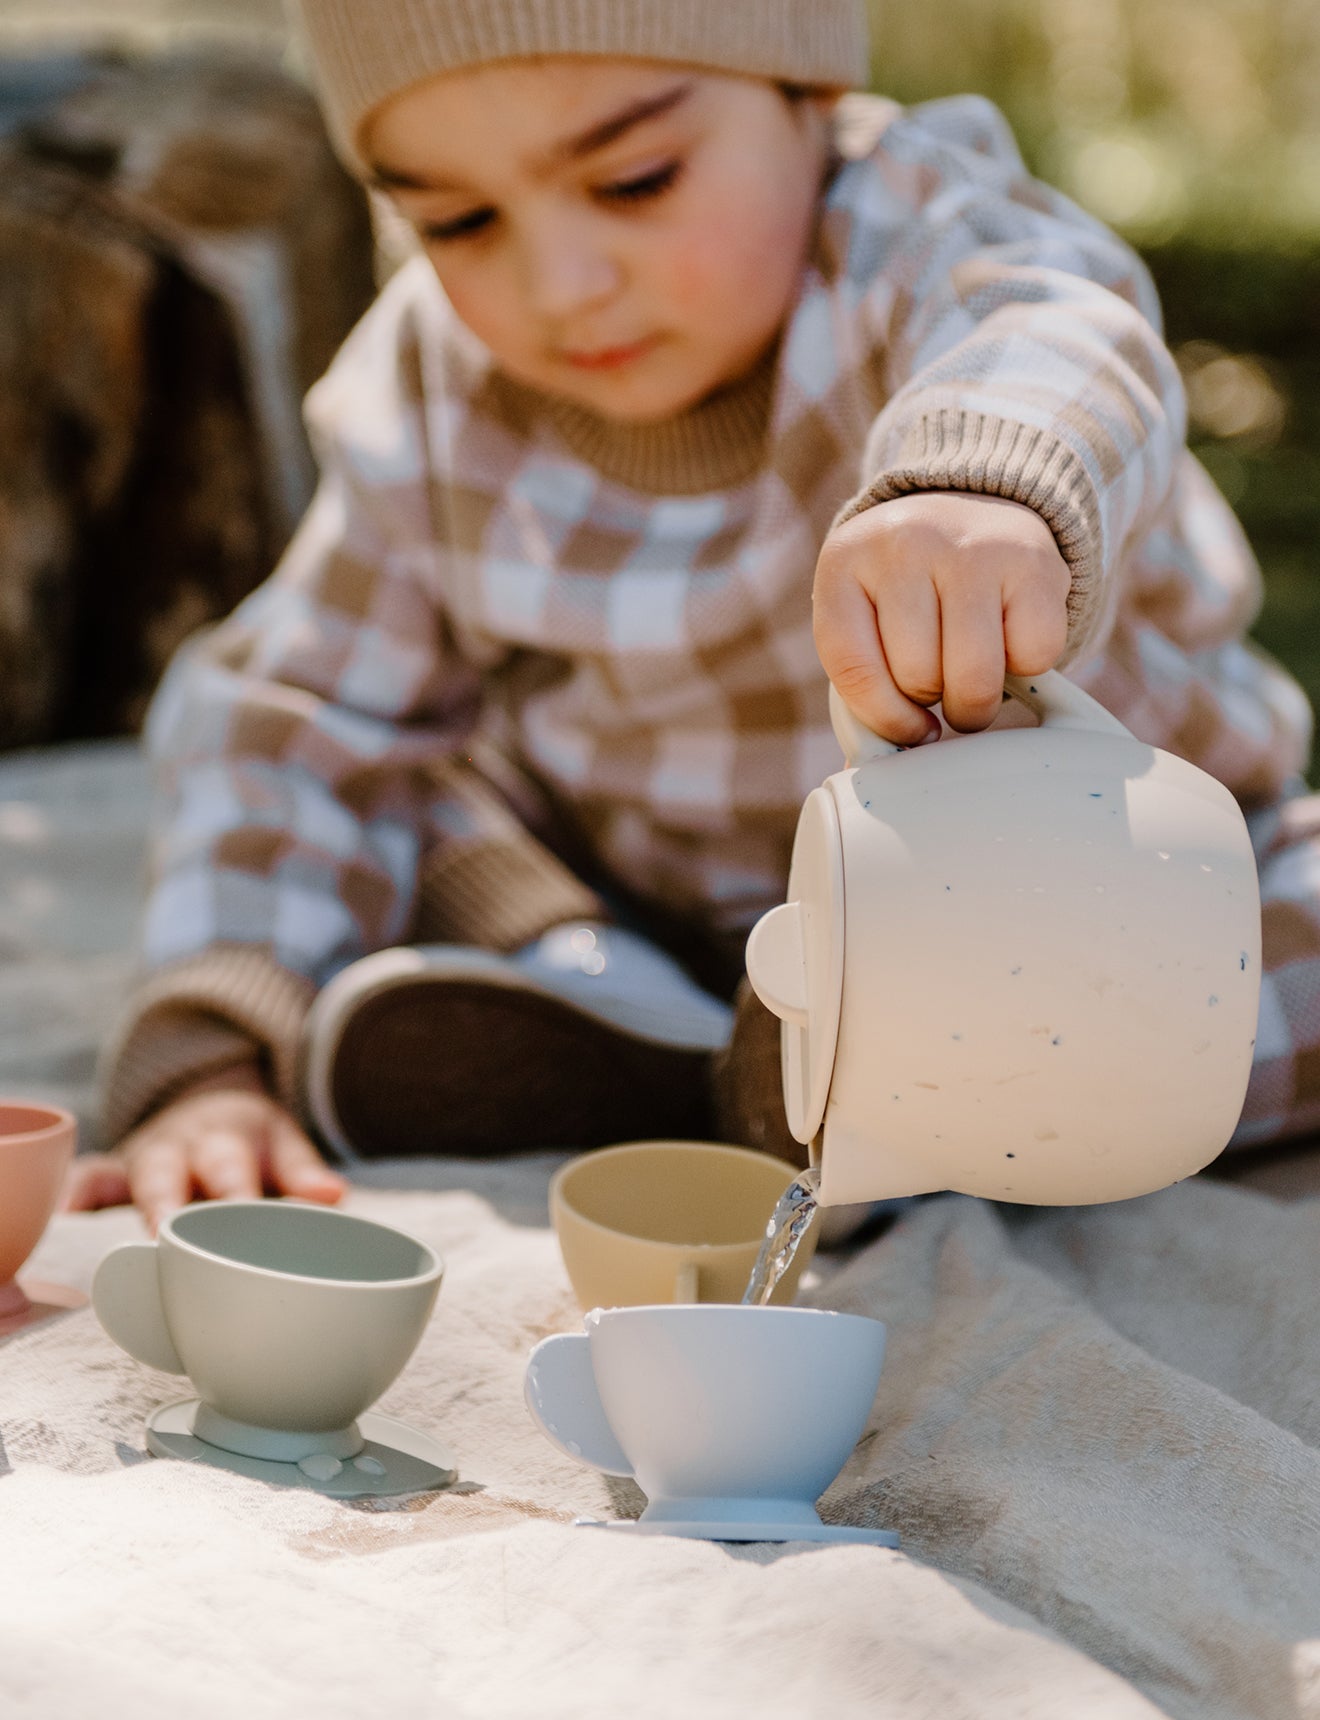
x=36, y=1149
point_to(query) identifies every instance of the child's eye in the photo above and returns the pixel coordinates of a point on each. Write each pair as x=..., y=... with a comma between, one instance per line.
x=462, y=227
x=646, y=185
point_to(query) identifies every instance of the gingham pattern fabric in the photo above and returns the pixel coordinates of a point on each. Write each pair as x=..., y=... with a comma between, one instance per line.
x=1284, y=1096
x=644, y=648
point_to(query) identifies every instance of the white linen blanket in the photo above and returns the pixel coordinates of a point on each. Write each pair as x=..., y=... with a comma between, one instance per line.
x=1098, y=1432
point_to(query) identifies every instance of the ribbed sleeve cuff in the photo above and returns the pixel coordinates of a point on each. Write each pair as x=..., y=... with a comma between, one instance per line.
x=198, y=1016
x=987, y=456
x=491, y=882
x=498, y=895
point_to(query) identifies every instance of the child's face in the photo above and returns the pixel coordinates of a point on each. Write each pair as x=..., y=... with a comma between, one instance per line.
x=623, y=234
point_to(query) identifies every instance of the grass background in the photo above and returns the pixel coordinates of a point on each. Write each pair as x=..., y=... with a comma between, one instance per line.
x=1192, y=126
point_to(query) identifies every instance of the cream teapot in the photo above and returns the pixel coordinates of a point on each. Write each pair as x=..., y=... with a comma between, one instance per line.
x=1023, y=964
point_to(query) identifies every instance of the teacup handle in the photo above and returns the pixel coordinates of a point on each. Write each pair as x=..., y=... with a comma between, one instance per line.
x=561, y=1394
x=126, y=1297
x=1058, y=702
x=687, y=1282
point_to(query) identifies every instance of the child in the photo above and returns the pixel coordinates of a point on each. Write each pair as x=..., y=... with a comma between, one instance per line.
x=467, y=812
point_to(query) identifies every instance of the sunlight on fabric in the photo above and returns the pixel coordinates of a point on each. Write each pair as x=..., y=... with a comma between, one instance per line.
x=23, y=824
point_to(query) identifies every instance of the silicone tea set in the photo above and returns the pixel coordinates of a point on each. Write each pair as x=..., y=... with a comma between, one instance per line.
x=1023, y=965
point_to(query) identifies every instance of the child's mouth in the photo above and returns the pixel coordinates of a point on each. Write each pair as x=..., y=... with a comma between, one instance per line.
x=611, y=357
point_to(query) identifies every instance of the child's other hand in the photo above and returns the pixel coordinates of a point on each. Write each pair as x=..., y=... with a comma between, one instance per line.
x=934, y=597
x=225, y=1138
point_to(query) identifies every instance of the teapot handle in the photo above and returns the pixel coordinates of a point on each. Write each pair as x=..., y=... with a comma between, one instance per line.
x=1058, y=702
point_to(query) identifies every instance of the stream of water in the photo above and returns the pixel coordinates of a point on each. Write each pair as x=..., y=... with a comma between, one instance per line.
x=788, y=1224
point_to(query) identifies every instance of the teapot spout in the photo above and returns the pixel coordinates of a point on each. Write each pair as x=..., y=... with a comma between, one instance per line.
x=855, y=1165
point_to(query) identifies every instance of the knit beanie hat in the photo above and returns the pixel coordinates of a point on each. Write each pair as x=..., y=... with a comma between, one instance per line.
x=366, y=50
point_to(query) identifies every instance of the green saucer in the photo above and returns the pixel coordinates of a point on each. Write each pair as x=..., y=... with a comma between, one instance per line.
x=395, y=1460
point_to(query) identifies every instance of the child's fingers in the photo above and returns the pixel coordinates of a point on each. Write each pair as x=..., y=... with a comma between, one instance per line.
x=160, y=1179
x=908, y=616
x=1035, y=632
x=887, y=711
x=848, y=644
x=226, y=1163
x=972, y=625
x=295, y=1166
x=95, y=1181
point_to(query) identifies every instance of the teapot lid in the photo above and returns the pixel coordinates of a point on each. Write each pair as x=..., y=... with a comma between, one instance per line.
x=795, y=963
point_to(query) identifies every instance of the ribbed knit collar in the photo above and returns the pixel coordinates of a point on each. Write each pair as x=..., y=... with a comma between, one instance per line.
x=714, y=445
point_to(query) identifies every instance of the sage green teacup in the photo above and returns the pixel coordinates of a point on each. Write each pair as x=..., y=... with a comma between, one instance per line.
x=290, y=1320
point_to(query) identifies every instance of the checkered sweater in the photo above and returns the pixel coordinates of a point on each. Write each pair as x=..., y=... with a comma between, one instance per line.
x=626, y=611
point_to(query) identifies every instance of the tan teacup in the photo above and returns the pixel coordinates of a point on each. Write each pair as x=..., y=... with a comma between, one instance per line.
x=668, y=1221
x=36, y=1146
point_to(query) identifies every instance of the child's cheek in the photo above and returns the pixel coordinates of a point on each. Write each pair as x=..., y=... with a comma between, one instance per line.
x=479, y=304
x=748, y=275
x=461, y=292
x=690, y=273
x=705, y=265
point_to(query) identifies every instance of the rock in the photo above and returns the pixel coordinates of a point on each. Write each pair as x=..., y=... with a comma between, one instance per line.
x=230, y=155
x=180, y=255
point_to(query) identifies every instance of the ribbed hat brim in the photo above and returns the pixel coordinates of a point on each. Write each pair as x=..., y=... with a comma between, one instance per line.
x=366, y=50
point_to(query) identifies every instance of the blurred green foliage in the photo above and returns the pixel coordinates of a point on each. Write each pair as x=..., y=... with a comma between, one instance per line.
x=1193, y=127
x=1162, y=116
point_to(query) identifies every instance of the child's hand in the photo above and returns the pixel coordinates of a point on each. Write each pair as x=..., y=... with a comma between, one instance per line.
x=225, y=1138
x=934, y=597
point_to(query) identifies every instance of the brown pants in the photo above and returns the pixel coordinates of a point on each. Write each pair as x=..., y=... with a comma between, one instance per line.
x=505, y=866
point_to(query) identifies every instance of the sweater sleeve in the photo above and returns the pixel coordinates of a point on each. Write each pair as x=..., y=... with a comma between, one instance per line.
x=292, y=748
x=1019, y=344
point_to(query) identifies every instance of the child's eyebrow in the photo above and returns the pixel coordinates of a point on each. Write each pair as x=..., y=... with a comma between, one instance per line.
x=581, y=144
x=608, y=130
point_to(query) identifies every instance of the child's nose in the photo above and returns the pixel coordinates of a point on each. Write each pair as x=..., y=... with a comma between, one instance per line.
x=567, y=272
